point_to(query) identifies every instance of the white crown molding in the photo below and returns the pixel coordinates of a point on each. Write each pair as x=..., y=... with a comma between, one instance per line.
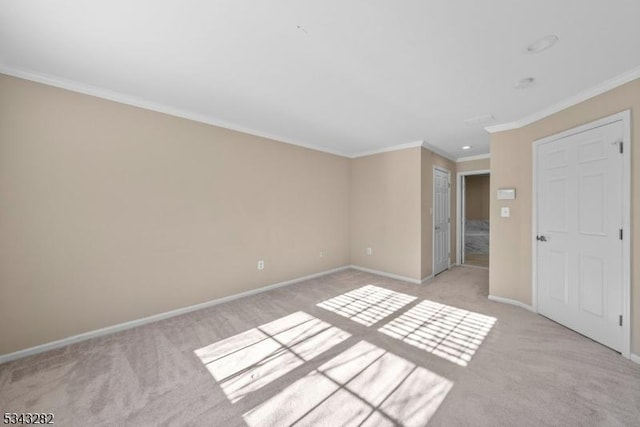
x=470, y=158
x=505, y=126
x=110, y=95
x=154, y=318
x=405, y=146
x=438, y=151
x=387, y=149
x=149, y=105
x=601, y=88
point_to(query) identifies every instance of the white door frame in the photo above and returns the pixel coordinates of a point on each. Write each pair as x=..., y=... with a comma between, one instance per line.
x=625, y=118
x=459, y=214
x=433, y=218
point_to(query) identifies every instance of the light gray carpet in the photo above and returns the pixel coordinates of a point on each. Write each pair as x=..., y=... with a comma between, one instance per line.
x=346, y=349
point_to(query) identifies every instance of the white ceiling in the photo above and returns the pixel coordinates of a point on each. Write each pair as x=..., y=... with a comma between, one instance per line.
x=342, y=76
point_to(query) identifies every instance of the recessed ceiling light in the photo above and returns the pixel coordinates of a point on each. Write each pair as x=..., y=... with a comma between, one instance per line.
x=525, y=83
x=542, y=44
x=466, y=147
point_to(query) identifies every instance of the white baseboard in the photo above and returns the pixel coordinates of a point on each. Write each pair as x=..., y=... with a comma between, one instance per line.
x=634, y=358
x=426, y=279
x=154, y=318
x=390, y=275
x=512, y=302
x=472, y=266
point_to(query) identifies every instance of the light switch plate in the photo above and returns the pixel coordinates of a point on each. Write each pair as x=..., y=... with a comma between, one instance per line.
x=505, y=212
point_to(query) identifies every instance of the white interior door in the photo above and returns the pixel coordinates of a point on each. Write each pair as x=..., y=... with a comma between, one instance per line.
x=441, y=220
x=579, y=246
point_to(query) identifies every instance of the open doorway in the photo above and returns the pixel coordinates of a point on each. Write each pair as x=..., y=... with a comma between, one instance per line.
x=473, y=218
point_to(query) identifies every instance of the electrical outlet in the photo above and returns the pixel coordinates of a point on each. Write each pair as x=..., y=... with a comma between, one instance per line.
x=369, y=251
x=261, y=265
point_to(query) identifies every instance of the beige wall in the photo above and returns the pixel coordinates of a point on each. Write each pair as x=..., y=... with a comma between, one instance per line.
x=429, y=160
x=391, y=201
x=111, y=213
x=386, y=212
x=511, y=166
x=473, y=165
x=476, y=199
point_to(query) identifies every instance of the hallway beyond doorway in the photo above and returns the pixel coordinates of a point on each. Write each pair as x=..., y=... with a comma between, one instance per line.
x=474, y=218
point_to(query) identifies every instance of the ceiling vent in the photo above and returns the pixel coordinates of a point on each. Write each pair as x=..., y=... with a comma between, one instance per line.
x=479, y=120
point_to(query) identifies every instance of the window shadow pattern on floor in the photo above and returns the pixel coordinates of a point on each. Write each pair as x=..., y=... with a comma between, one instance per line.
x=445, y=331
x=367, y=305
x=244, y=363
x=362, y=385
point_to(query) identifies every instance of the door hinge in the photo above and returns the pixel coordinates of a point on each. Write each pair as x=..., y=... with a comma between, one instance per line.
x=620, y=320
x=621, y=234
x=620, y=146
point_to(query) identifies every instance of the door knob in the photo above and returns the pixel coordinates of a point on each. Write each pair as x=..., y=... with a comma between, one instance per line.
x=541, y=238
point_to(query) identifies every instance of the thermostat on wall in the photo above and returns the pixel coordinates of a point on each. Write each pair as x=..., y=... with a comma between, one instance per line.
x=506, y=193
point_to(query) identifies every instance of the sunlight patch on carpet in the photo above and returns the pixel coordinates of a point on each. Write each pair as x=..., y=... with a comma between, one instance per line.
x=246, y=362
x=445, y=331
x=364, y=385
x=367, y=305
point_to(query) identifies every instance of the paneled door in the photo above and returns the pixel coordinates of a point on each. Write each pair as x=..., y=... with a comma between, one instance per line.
x=441, y=220
x=579, y=232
